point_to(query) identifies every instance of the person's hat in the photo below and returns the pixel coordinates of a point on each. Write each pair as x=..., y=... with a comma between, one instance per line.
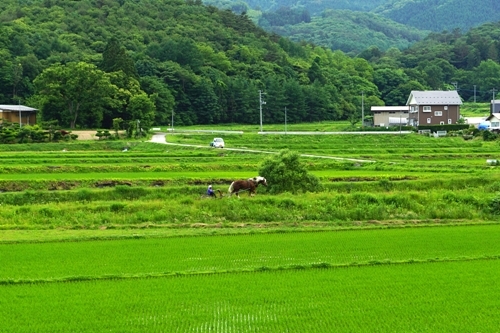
x=209, y=186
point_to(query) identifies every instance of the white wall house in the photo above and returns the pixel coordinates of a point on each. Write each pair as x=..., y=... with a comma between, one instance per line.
x=384, y=116
x=494, y=120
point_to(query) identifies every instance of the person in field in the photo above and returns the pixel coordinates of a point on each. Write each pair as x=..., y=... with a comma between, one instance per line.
x=210, y=191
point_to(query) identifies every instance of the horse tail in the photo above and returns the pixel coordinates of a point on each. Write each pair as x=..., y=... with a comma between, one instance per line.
x=231, y=188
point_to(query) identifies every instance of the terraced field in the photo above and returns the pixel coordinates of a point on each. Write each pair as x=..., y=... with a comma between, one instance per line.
x=96, y=239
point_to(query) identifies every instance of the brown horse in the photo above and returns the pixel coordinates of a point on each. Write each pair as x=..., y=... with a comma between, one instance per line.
x=249, y=185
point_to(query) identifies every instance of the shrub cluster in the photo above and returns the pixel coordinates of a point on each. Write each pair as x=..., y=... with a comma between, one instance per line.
x=13, y=133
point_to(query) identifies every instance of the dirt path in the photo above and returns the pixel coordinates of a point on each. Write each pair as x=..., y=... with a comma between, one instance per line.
x=160, y=138
x=86, y=135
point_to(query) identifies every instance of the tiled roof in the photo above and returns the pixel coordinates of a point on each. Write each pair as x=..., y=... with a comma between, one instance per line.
x=435, y=97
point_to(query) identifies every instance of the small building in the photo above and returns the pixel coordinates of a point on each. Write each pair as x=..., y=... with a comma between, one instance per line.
x=494, y=121
x=495, y=106
x=390, y=115
x=474, y=121
x=434, y=107
x=23, y=115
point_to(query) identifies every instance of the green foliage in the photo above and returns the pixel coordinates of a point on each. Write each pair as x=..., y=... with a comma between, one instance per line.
x=494, y=205
x=489, y=136
x=286, y=173
x=335, y=29
x=12, y=133
x=422, y=14
x=80, y=86
x=452, y=127
x=156, y=68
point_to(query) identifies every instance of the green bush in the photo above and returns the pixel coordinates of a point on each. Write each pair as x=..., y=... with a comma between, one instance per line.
x=494, y=205
x=286, y=173
x=489, y=136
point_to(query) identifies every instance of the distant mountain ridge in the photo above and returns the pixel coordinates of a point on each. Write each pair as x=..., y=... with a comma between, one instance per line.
x=333, y=23
x=439, y=15
x=352, y=32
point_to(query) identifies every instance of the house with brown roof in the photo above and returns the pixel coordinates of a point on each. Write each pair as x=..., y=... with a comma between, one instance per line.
x=434, y=107
x=23, y=115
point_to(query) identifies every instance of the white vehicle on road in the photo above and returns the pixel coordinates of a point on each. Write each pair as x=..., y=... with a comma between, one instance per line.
x=217, y=143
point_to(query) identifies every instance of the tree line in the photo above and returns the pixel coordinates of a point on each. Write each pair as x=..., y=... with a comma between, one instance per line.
x=84, y=64
x=468, y=62
x=89, y=63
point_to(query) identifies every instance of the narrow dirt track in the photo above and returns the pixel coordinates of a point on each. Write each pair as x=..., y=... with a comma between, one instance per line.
x=160, y=138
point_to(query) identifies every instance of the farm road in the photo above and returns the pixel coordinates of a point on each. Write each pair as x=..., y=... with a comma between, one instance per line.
x=160, y=138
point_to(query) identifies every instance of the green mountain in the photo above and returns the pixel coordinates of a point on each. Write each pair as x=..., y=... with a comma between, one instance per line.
x=87, y=63
x=351, y=32
x=370, y=23
x=315, y=7
x=439, y=15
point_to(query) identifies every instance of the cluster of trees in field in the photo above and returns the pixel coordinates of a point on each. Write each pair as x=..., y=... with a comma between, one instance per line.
x=45, y=132
x=86, y=63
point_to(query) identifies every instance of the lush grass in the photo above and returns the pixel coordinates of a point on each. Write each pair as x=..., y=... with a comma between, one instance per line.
x=83, y=229
x=433, y=297
x=42, y=261
x=475, y=109
x=125, y=207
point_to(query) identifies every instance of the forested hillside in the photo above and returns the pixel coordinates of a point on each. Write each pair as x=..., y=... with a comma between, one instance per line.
x=96, y=63
x=315, y=7
x=354, y=25
x=439, y=15
x=351, y=32
x=87, y=63
x=469, y=62
x=435, y=15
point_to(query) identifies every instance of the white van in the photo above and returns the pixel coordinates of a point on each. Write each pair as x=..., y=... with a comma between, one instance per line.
x=217, y=143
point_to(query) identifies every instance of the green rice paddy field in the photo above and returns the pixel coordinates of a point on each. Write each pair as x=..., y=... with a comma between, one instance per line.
x=403, y=237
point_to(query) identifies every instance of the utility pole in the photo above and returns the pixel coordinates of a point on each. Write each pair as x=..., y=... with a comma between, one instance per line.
x=172, y=120
x=362, y=109
x=285, y=119
x=19, y=108
x=261, y=102
x=474, y=93
x=493, y=102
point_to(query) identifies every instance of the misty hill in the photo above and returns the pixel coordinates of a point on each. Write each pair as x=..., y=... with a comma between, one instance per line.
x=349, y=31
x=358, y=24
x=439, y=15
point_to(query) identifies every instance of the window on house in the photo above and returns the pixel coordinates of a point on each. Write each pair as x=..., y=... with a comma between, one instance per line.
x=428, y=120
x=427, y=109
x=449, y=121
x=495, y=124
x=441, y=123
x=438, y=113
x=445, y=107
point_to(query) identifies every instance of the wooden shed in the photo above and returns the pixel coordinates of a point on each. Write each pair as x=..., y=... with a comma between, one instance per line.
x=23, y=115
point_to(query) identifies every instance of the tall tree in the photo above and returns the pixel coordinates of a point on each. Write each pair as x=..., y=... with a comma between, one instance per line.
x=76, y=84
x=114, y=59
